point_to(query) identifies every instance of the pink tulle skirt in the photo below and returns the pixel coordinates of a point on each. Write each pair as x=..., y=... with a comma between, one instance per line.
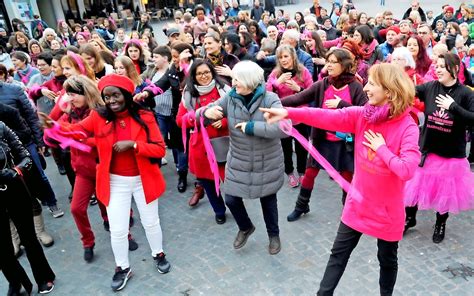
x=442, y=184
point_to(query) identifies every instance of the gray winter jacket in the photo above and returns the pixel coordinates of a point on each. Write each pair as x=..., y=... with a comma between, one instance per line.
x=255, y=165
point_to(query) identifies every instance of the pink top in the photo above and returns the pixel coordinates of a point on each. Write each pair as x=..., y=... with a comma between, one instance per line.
x=380, y=175
x=282, y=90
x=329, y=94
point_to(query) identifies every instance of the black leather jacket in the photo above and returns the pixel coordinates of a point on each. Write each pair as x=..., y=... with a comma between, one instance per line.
x=12, y=154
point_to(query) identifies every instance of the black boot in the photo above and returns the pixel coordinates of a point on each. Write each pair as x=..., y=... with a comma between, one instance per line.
x=410, y=219
x=440, y=227
x=182, y=181
x=302, y=205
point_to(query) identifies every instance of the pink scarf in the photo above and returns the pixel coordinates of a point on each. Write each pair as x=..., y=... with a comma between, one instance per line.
x=376, y=114
x=64, y=138
x=211, y=156
x=288, y=129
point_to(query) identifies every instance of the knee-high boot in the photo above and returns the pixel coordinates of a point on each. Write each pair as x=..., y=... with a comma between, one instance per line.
x=302, y=205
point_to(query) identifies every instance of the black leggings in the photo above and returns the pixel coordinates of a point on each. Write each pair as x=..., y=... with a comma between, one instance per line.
x=346, y=240
x=16, y=205
x=301, y=152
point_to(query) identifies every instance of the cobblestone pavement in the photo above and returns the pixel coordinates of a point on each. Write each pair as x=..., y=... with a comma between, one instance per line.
x=205, y=263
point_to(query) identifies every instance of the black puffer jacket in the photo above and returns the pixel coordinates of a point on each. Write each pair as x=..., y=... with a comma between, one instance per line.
x=12, y=154
x=12, y=118
x=13, y=96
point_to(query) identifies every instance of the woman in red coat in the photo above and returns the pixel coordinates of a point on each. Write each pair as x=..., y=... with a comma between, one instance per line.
x=128, y=143
x=202, y=88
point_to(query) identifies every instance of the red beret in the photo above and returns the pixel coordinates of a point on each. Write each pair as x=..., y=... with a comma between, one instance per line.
x=120, y=81
x=395, y=29
x=450, y=9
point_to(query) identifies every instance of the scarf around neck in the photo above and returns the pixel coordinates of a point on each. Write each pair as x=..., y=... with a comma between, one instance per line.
x=216, y=59
x=376, y=114
x=205, y=89
x=341, y=80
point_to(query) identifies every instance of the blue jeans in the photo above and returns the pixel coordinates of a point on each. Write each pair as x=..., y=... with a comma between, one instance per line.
x=39, y=178
x=166, y=125
x=215, y=200
x=269, y=209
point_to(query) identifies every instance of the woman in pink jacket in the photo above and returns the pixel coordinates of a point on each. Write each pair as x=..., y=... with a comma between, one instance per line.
x=290, y=77
x=386, y=152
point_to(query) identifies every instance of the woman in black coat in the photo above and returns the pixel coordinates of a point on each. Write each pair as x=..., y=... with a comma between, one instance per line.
x=17, y=205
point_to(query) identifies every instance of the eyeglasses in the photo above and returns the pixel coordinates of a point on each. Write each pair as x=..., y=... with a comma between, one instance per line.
x=332, y=62
x=201, y=74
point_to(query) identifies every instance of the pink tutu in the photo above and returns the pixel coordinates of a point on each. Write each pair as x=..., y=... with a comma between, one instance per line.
x=442, y=184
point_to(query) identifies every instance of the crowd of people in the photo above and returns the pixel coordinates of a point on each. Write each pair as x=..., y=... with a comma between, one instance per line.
x=382, y=99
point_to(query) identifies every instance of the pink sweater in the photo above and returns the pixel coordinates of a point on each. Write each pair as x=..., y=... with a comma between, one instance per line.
x=379, y=176
x=282, y=90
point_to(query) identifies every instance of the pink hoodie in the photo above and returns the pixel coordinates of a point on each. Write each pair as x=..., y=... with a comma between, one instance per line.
x=379, y=176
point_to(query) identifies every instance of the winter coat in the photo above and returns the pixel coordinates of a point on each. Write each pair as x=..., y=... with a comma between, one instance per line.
x=198, y=161
x=150, y=174
x=387, y=169
x=254, y=166
x=12, y=118
x=15, y=154
x=14, y=96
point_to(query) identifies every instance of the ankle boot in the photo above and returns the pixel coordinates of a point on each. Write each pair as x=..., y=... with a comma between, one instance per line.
x=440, y=228
x=182, y=181
x=302, y=205
x=15, y=240
x=197, y=195
x=45, y=238
x=410, y=219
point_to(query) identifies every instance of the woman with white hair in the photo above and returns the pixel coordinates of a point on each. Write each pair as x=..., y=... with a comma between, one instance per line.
x=48, y=36
x=255, y=159
x=403, y=58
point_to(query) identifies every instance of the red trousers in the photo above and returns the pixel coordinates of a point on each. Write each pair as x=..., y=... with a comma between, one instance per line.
x=311, y=173
x=84, y=188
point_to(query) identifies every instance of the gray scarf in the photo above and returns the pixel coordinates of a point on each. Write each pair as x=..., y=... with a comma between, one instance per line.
x=205, y=89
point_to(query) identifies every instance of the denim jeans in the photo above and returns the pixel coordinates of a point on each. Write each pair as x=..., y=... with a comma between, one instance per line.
x=269, y=209
x=45, y=191
x=166, y=124
x=346, y=240
x=215, y=200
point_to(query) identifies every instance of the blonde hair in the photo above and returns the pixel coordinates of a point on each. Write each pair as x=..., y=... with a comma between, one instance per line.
x=130, y=68
x=83, y=84
x=400, y=88
x=87, y=70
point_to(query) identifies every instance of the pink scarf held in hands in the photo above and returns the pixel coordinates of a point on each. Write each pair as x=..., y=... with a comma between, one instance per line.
x=63, y=138
x=288, y=129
